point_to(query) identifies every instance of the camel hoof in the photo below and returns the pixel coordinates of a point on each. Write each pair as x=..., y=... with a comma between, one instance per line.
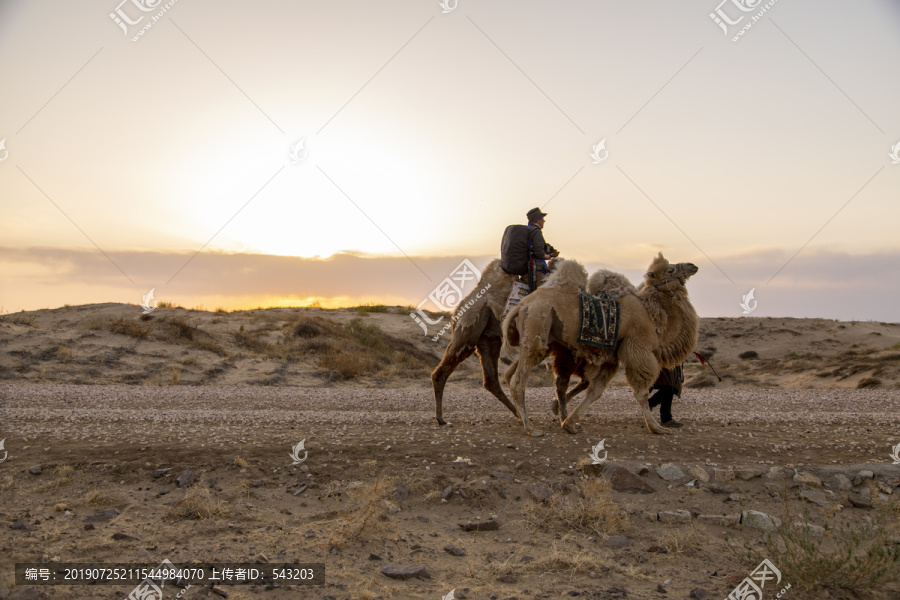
x=535, y=433
x=662, y=431
x=572, y=428
x=446, y=424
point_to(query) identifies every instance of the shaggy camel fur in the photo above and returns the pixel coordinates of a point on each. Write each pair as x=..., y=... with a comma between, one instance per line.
x=658, y=327
x=477, y=329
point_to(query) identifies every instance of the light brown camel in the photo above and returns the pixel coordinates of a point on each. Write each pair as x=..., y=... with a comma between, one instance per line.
x=658, y=327
x=477, y=329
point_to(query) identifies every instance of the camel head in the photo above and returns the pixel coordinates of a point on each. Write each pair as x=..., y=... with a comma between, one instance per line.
x=666, y=276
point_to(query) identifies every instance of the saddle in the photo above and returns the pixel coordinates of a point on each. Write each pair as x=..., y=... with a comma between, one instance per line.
x=599, y=320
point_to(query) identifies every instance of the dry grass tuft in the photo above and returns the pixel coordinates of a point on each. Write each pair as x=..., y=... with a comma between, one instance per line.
x=104, y=499
x=362, y=515
x=682, y=540
x=241, y=462
x=197, y=505
x=590, y=510
x=63, y=475
x=127, y=326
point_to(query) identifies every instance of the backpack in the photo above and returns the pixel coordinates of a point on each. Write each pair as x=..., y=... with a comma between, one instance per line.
x=514, y=250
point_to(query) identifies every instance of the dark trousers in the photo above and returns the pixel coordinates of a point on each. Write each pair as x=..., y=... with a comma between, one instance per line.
x=662, y=397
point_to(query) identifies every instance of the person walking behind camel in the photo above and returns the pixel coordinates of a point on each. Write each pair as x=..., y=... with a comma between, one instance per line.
x=668, y=385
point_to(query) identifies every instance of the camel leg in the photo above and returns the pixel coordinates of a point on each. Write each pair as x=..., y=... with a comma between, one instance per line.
x=454, y=355
x=641, y=373
x=510, y=371
x=563, y=367
x=517, y=388
x=598, y=378
x=489, y=353
x=582, y=385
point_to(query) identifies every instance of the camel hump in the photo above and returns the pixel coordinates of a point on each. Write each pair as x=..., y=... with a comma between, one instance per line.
x=567, y=274
x=609, y=282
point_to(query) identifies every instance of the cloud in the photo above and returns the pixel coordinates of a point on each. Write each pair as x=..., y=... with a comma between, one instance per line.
x=821, y=284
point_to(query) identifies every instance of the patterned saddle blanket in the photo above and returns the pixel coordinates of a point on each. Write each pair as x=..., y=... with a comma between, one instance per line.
x=599, y=320
x=519, y=291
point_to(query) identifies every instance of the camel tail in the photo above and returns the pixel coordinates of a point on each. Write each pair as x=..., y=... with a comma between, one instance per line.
x=511, y=331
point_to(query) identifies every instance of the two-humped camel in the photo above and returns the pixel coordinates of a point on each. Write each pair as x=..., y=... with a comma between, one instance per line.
x=658, y=328
x=477, y=329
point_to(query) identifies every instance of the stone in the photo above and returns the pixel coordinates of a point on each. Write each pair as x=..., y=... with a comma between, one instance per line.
x=540, y=493
x=730, y=520
x=778, y=473
x=219, y=592
x=22, y=526
x=451, y=549
x=448, y=491
x=489, y=525
x=623, y=480
x=670, y=472
x=661, y=589
x=841, y=482
x=405, y=572
x=807, y=478
x=812, y=530
x=698, y=593
x=699, y=473
x=36, y=470
x=390, y=506
x=719, y=489
x=374, y=556
x=508, y=578
x=103, y=515
x=123, y=536
x=723, y=475
x=501, y=476
x=186, y=479
x=759, y=520
x=866, y=474
x=746, y=474
x=658, y=549
x=677, y=516
x=814, y=496
x=860, y=500
x=401, y=493
x=160, y=472
x=616, y=541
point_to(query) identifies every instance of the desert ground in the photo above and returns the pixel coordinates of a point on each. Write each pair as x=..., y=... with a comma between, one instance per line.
x=137, y=438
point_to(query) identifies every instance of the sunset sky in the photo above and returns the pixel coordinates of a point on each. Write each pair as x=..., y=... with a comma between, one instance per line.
x=165, y=163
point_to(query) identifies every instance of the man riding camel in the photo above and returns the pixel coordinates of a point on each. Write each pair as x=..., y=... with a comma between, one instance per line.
x=523, y=244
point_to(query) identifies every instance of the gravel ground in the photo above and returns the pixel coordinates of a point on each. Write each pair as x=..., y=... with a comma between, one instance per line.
x=101, y=446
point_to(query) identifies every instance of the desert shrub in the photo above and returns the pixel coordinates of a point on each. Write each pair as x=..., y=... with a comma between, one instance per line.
x=307, y=328
x=369, y=335
x=868, y=382
x=177, y=330
x=362, y=516
x=166, y=304
x=371, y=308
x=251, y=341
x=197, y=505
x=843, y=559
x=589, y=510
x=748, y=354
x=127, y=326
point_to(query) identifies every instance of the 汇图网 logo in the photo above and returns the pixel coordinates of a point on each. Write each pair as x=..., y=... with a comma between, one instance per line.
x=749, y=304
